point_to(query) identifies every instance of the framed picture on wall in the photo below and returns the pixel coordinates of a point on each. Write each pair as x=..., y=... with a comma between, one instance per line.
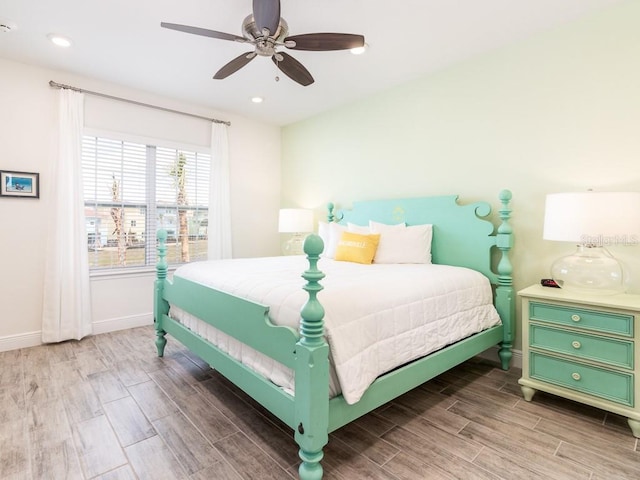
x=19, y=184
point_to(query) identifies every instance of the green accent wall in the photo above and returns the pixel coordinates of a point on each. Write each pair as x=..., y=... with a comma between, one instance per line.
x=558, y=111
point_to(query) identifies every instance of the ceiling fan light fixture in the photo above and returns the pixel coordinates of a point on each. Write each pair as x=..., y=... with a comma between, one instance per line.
x=59, y=40
x=360, y=50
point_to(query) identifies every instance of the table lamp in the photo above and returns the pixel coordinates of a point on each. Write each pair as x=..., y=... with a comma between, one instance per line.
x=592, y=220
x=296, y=221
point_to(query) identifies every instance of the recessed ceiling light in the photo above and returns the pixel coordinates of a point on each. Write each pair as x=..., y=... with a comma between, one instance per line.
x=359, y=50
x=59, y=40
x=257, y=99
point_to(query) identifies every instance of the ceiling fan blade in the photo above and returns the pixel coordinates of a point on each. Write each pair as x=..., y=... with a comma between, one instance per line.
x=320, y=42
x=234, y=65
x=204, y=32
x=293, y=69
x=266, y=14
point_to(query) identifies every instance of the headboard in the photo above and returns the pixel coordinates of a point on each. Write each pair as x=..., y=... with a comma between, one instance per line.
x=461, y=235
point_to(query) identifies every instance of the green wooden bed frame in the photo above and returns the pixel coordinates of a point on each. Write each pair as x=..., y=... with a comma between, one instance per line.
x=461, y=236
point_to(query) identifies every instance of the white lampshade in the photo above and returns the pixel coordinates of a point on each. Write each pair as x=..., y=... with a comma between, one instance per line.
x=593, y=218
x=295, y=220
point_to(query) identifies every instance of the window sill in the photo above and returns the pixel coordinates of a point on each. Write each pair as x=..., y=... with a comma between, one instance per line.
x=98, y=275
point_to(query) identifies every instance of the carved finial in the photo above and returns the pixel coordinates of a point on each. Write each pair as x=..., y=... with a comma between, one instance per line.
x=313, y=245
x=330, y=207
x=505, y=196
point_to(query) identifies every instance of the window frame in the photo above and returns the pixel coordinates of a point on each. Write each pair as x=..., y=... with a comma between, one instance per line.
x=150, y=144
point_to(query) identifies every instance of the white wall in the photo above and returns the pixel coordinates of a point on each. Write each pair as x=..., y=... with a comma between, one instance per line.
x=28, y=143
x=558, y=112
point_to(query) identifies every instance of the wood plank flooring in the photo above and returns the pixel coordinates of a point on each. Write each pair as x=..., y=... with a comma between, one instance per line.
x=108, y=408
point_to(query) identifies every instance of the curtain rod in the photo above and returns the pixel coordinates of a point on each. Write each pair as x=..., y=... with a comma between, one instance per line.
x=104, y=95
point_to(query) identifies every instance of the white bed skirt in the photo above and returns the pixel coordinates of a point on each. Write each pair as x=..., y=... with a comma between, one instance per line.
x=377, y=317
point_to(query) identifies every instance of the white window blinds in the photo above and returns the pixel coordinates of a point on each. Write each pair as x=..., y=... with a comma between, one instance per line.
x=133, y=189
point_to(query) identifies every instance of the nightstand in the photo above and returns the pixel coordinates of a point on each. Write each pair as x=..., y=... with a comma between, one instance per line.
x=582, y=347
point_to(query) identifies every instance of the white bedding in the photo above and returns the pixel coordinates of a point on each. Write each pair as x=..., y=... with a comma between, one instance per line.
x=377, y=317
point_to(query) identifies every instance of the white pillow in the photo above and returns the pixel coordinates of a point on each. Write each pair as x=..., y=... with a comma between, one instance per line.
x=333, y=232
x=362, y=230
x=403, y=245
x=323, y=233
x=379, y=227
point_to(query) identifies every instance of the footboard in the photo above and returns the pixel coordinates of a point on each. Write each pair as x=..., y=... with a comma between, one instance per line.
x=307, y=352
x=241, y=319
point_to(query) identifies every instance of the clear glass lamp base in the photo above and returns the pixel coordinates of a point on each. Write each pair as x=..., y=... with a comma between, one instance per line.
x=295, y=245
x=591, y=270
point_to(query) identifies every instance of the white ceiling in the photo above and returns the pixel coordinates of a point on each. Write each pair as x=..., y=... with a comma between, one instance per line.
x=121, y=41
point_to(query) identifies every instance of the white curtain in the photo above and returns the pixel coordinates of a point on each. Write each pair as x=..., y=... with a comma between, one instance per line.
x=219, y=230
x=66, y=312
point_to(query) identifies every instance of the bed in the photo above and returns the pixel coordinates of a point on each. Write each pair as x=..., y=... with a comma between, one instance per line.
x=315, y=388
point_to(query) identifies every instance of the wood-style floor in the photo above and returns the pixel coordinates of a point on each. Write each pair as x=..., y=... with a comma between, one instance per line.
x=107, y=408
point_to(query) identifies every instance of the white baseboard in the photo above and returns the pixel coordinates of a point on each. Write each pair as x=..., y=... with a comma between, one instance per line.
x=492, y=355
x=33, y=339
x=122, y=323
x=22, y=340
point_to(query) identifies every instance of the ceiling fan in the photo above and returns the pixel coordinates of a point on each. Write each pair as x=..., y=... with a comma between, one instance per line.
x=267, y=31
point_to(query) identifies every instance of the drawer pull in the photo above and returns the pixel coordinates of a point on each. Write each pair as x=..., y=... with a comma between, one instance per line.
x=576, y=344
x=575, y=317
x=575, y=376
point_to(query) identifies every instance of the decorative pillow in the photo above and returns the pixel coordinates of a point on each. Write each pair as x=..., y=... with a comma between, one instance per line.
x=354, y=247
x=410, y=244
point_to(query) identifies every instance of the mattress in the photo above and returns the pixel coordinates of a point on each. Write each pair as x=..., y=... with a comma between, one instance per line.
x=377, y=317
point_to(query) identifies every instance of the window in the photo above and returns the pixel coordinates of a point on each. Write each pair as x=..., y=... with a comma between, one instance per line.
x=131, y=190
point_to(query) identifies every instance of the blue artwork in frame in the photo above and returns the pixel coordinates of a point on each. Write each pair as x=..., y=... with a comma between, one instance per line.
x=19, y=184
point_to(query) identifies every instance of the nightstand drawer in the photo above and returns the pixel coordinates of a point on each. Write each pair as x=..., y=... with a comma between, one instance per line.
x=598, y=382
x=594, y=320
x=599, y=349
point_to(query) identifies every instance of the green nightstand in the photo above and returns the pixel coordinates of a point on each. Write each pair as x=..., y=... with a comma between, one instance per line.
x=582, y=347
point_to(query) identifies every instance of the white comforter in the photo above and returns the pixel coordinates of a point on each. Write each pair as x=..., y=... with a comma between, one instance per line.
x=377, y=317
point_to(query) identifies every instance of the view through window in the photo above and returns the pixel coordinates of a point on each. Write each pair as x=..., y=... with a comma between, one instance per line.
x=131, y=190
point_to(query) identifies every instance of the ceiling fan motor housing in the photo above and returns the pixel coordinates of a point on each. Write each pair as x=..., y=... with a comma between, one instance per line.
x=265, y=46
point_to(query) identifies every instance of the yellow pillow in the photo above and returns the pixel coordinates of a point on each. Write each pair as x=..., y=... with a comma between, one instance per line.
x=354, y=247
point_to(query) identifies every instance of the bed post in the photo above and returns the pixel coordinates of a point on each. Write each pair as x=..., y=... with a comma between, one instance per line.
x=312, y=372
x=505, y=299
x=160, y=306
